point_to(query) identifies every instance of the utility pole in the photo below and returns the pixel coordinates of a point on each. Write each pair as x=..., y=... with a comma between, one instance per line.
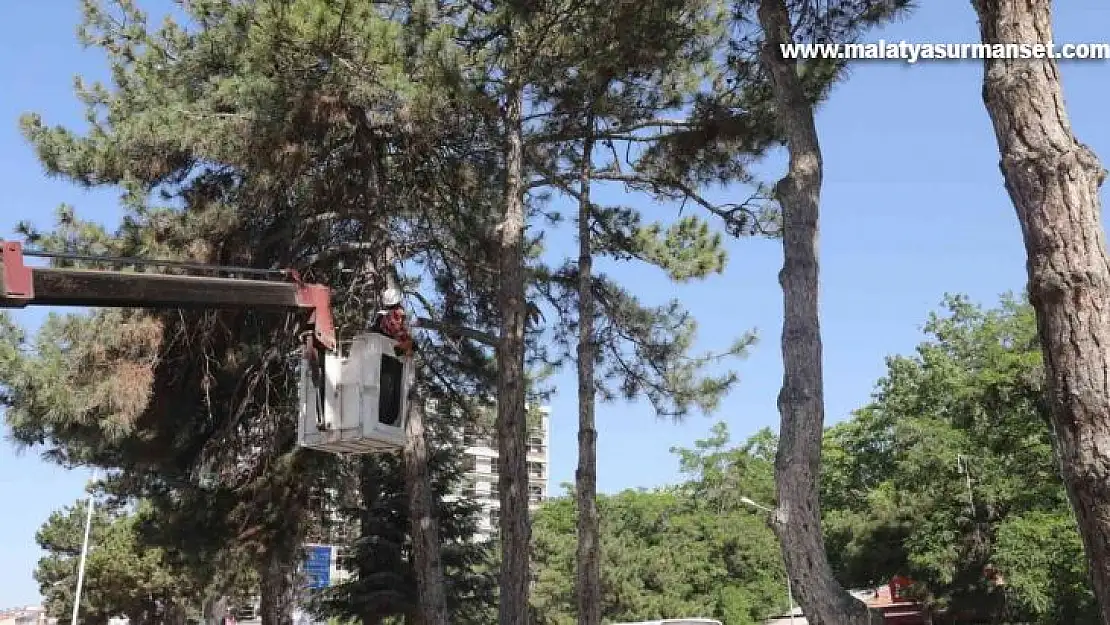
x=84, y=554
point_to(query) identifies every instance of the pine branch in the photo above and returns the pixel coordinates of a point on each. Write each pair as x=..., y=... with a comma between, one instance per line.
x=456, y=330
x=621, y=133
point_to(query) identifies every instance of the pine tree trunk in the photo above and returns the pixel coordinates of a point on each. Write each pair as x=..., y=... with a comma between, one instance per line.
x=370, y=495
x=1053, y=181
x=431, y=595
x=214, y=610
x=589, y=549
x=512, y=431
x=797, y=521
x=176, y=614
x=277, y=586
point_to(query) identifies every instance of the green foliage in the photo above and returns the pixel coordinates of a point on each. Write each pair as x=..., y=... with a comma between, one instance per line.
x=720, y=476
x=353, y=139
x=689, y=550
x=949, y=476
x=1041, y=556
x=380, y=551
x=270, y=134
x=122, y=576
x=575, y=91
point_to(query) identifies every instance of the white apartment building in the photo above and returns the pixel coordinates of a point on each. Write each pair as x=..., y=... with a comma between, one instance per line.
x=482, y=472
x=28, y=615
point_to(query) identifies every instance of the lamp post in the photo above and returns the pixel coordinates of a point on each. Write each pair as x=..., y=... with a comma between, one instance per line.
x=789, y=586
x=84, y=554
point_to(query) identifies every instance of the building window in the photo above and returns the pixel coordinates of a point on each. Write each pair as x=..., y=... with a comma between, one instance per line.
x=535, y=469
x=535, y=494
x=470, y=437
x=495, y=518
x=494, y=466
x=470, y=463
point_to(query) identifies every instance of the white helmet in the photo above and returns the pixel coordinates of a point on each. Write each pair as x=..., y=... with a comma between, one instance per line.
x=391, y=297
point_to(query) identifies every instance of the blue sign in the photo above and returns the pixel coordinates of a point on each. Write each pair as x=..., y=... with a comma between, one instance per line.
x=317, y=566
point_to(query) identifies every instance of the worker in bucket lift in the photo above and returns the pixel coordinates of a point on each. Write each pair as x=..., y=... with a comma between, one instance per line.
x=391, y=321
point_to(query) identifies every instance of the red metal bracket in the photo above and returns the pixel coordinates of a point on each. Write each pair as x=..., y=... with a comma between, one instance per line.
x=17, y=287
x=318, y=298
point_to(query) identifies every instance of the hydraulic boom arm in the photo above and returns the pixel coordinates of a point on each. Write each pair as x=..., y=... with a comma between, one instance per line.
x=22, y=285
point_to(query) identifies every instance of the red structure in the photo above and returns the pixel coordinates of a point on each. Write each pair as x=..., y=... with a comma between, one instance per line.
x=896, y=605
x=22, y=285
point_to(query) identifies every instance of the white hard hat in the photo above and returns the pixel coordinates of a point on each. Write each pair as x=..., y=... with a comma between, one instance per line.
x=391, y=297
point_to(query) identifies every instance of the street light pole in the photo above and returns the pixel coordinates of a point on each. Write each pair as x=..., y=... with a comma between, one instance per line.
x=790, y=596
x=789, y=586
x=84, y=555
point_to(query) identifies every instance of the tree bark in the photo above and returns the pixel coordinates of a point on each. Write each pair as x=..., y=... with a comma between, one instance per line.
x=427, y=563
x=371, y=495
x=214, y=610
x=1053, y=181
x=797, y=519
x=176, y=614
x=589, y=548
x=512, y=431
x=277, y=586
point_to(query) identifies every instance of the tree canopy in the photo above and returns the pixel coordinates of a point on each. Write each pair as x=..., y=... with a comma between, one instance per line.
x=430, y=147
x=949, y=475
x=354, y=142
x=692, y=549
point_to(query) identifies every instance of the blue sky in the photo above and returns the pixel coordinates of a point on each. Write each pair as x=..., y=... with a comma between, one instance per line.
x=913, y=208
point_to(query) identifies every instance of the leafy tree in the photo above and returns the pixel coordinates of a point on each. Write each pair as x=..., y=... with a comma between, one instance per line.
x=949, y=476
x=1046, y=574
x=122, y=576
x=670, y=552
x=721, y=476
x=1053, y=181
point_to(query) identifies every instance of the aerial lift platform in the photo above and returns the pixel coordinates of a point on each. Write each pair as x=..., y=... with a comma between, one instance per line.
x=354, y=402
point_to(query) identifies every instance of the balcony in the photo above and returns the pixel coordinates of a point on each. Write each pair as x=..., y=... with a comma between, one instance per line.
x=535, y=495
x=537, y=471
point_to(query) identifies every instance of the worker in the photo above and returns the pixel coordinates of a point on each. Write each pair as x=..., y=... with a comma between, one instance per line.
x=391, y=321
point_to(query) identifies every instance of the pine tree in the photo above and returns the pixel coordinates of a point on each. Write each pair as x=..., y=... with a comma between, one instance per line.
x=274, y=134
x=531, y=80
x=1053, y=181
x=593, y=100
x=797, y=520
x=762, y=100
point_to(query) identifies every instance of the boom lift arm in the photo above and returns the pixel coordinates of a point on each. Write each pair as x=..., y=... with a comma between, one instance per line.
x=22, y=285
x=354, y=403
